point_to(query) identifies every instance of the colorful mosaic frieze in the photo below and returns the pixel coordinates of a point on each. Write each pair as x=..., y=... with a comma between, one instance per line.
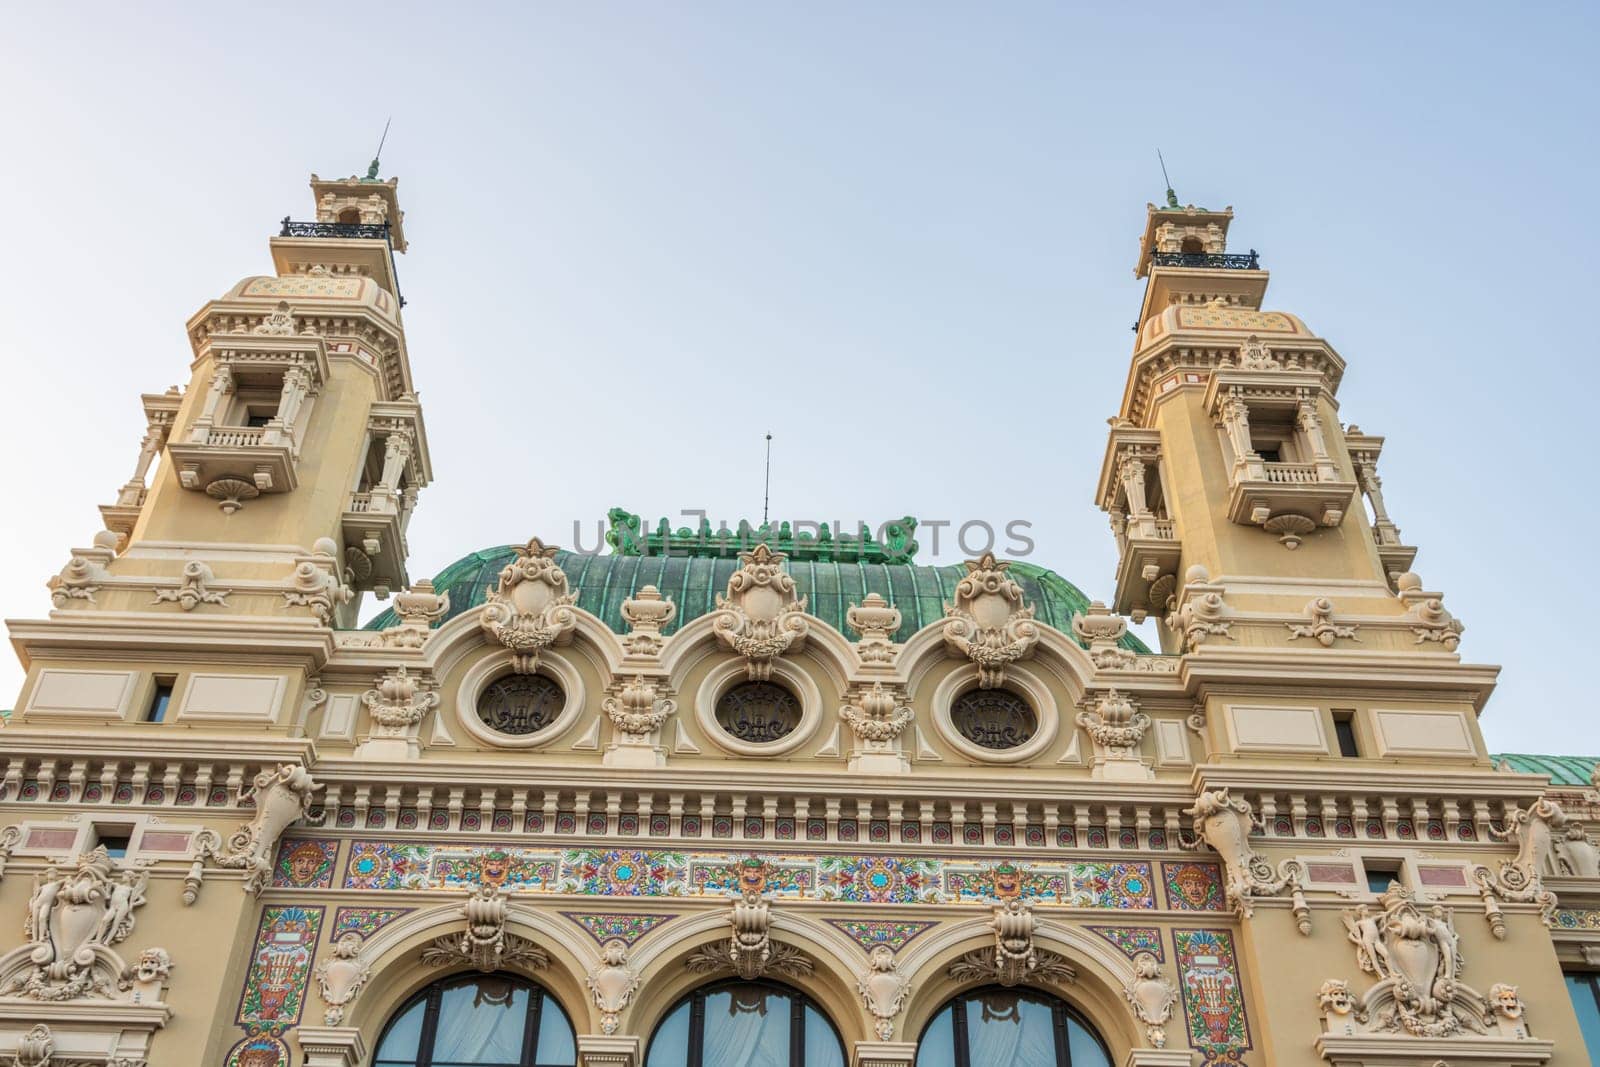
x=280, y=968
x=363, y=921
x=304, y=864
x=870, y=933
x=1132, y=940
x=1213, y=998
x=875, y=879
x=258, y=1050
x=615, y=926
x=1577, y=919
x=1194, y=886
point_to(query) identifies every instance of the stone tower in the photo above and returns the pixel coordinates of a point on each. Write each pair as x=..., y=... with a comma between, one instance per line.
x=1234, y=491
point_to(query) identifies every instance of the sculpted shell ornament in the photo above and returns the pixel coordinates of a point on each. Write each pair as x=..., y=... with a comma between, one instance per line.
x=761, y=618
x=530, y=609
x=988, y=623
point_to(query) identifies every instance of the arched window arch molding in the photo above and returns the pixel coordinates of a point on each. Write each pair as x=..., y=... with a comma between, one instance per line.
x=1102, y=972
x=1056, y=652
x=664, y=980
x=462, y=638
x=393, y=957
x=697, y=641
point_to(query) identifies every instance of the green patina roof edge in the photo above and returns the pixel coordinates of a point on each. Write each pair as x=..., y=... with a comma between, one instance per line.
x=1061, y=598
x=1562, y=770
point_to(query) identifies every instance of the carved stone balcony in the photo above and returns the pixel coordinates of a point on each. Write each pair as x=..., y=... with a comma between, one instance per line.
x=374, y=525
x=1261, y=492
x=1147, y=567
x=263, y=456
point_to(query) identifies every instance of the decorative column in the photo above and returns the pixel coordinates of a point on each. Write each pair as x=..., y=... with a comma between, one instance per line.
x=396, y=450
x=1159, y=1057
x=331, y=1046
x=296, y=386
x=608, y=1050
x=1383, y=526
x=131, y=495
x=221, y=387
x=1311, y=426
x=1235, y=416
x=883, y=1054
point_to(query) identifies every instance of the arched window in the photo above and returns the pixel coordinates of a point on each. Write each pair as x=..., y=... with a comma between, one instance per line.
x=491, y=1020
x=745, y=1024
x=1012, y=1027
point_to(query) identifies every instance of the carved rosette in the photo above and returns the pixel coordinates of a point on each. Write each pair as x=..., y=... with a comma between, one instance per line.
x=530, y=609
x=646, y=613
x=1224, y=824
x=1151, y=995
x=398, y=702
x=79, y=909
x=612, y=984
x=1014, y=959
x=761, y=618
x=282, y=797
x=638, y=708
x=874, y=622
x=883, y=990
x=1100, y=630
x=988, y=623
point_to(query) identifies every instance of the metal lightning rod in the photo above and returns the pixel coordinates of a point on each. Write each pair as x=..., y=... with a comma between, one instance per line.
x=1172, y=197
x=766, y=489
x=372, y=171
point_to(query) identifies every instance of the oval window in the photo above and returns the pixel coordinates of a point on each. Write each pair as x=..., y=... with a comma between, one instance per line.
x=993, y=718
x=521, y=704
x=758, y=713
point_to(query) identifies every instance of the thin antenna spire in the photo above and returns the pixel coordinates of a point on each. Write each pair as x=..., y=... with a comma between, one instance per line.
x=372, y=170
x=766, y=489
x=1172, y=197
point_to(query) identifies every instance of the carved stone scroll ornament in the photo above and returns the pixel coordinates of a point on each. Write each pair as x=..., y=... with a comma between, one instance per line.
x=1015, y=959
x=10, y=838
x=340, y=977
x=1151, y=995
x=1224, y=824
x=875, y=622
x=988, y=623
x=398, y=701
x=194, y=589
x=646, y=612
x=750, y=951
x=1521, y=878
x=35, y=1047
x=1321, y=628
x=638, y=708
x=1429, y=619
x=485, y=943
x=530, y=609
x=318, y=587
x=884, y=990
x=85, y=572
x=282, y=797
x=79, y=909
x=1201, y=613
x=1416, y=957
x=761, y=617
x=612, y=984
x=1101, y=630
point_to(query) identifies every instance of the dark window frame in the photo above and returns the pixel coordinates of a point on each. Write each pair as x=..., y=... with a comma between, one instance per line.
x=696, y=999
x=1061, y=1014
x=433, y=995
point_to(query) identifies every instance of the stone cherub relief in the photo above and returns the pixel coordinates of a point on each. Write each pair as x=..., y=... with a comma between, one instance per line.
x=1415, y=955
x=1224, y=824
x=1015, y=958
x=988, y=623
x=530, y=608
x=761, y=617
x=79, y=909
x=282, y=797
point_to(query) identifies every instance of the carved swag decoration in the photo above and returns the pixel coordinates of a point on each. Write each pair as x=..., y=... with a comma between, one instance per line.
x=1416, y=957
x=761, y=618
x=1224, y=824
x=988, y=623
x=79, y=909
x=1015, y=959
x=530, y=609
x=282, y=797
x=398, y=702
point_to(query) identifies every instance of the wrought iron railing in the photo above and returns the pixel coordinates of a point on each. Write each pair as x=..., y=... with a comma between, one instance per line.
x=1216, y=261
x=371, y=231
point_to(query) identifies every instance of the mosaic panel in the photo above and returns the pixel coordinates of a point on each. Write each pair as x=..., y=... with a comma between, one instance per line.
x=304, y=864
x=1577, y=919
x=280, y=968
x=364, y=921
x=877, y=879
x=869, y=933
x=1213, y=999
x=258, y=1050
x=616, y=926
x=1132, y=940
x=1194, y=886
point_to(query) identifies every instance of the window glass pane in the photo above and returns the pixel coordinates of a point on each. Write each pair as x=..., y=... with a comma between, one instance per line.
x=400, y=1042
x=670, y=1046
x=1006, y=1028
x=822, y=1044
x=481, y=1022
x=1581, y=986
x=747, y=1026
x=938, y=1047
x=1086, y=1051
x=556, y=1044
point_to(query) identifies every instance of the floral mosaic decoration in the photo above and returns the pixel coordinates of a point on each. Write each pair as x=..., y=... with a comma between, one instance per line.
x=870, y=933
x=364, y=921
x=617, y=926
x=1132, y=940
x=1213, y=1000
x=280, y=969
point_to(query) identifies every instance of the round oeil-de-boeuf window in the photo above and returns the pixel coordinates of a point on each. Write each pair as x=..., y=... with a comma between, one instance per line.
x=521, y=704
x=994, y=718
x=758, y=713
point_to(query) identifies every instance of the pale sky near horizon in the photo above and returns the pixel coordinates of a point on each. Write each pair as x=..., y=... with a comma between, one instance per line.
x=644, y=235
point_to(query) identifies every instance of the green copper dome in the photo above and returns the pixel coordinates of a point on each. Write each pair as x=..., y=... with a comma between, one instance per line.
x=693, y=582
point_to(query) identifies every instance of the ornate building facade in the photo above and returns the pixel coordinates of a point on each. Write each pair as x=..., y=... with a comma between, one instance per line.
x=767, y=798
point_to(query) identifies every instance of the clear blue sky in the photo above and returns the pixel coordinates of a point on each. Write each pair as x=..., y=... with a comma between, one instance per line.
x=900, y=236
